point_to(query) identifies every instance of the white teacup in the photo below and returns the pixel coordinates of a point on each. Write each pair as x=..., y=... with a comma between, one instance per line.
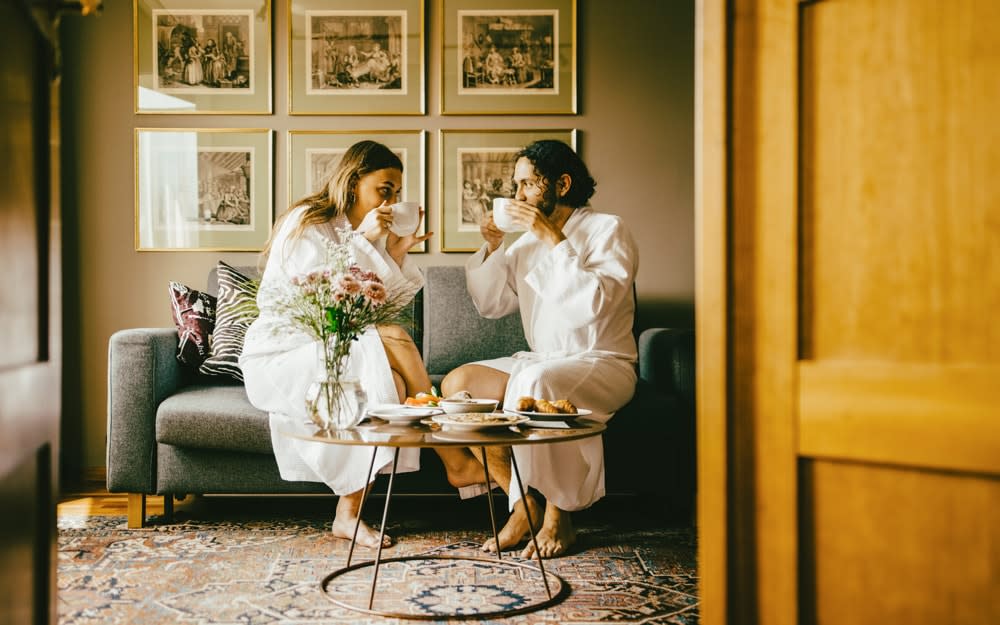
x=405, y=218
x=502, y=218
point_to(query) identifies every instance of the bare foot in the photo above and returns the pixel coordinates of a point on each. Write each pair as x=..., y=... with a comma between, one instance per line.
x=461, y=467
x=348, y=509
x=515, y=530
x=555, y=537
x=343, y=527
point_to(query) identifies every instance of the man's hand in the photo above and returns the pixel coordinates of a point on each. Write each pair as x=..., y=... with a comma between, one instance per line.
x=528, y=216
x=398, y=246
x=490, y=232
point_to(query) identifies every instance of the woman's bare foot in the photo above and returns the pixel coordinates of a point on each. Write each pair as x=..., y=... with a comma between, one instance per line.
x=343, y=527
x=515, y=530
x=556, y=536
x=461, y=466
x=348, y=509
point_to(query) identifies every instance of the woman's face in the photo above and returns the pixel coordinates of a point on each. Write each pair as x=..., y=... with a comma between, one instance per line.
x=382, y=185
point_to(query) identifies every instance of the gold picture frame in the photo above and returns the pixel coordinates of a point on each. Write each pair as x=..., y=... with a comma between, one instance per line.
x=512, y=58
x=356, y=58
x=203, y=189
x=312, y=154
x=208, y=57
x=476, y=166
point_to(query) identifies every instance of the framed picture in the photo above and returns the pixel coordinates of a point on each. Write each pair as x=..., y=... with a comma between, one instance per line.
x=313, y=155
x=476, y=167
x=356, y=58
x=202, y=189
x=202, y=56
x=514, y=57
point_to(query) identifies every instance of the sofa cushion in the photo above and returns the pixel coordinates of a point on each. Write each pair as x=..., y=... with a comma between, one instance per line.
x=454, y=333
x=194, y=316
x=235, y=311
x=213, y=416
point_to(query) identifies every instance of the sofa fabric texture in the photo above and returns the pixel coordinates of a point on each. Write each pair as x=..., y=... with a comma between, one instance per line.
x=173, y=431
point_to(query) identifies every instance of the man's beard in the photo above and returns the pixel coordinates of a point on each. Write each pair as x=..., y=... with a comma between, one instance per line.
x=548, y=202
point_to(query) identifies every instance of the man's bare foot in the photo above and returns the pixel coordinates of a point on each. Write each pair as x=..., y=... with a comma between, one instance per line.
x=556, y=536
x=515, y=530
x=343, y=527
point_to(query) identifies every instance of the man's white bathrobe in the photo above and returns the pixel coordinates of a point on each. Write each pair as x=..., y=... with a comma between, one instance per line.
x=279, y=362
x=577, y=306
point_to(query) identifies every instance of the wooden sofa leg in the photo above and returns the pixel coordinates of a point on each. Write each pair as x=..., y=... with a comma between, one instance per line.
x=136, y=510
x=168, y=508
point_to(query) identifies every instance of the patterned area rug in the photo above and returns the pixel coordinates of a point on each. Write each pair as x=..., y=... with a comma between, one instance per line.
x=221, y=568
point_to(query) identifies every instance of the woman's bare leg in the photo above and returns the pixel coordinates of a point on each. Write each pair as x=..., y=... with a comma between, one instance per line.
x=411, y=377
x=489, y=383
x=348, y=508
x=481, y=382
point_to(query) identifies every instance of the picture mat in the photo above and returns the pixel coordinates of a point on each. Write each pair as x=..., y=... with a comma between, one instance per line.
x=456, y=145
x=151, y=98
x=305, y=147
x=458, y=101
x=185, y=181
x=409, y=100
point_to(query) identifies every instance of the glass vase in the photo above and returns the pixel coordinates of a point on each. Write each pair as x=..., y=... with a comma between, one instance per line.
x=336, y=399
x=334, y=403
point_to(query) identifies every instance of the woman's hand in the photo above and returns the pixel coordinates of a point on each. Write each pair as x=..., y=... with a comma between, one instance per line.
x=383, y=219
x=398, y=246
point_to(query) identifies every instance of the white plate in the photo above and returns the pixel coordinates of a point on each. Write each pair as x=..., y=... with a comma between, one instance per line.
x=403, y=415
x=471, y=420
x=550, y=416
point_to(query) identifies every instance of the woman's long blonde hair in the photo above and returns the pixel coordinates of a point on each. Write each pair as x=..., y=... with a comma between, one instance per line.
x=336, y=197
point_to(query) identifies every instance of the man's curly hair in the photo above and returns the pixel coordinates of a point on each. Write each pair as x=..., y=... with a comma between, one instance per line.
x=552, y=159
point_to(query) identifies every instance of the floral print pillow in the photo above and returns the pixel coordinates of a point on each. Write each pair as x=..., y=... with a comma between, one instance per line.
x=194, y=316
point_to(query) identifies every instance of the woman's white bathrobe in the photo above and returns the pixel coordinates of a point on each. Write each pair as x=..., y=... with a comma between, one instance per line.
x=576, y=303
x=279, y=362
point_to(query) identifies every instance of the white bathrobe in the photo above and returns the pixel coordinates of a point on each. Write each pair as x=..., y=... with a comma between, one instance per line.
x=576, y=303
x=279, y=362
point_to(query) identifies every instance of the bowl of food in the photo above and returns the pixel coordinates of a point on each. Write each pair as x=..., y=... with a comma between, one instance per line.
x=460, y=405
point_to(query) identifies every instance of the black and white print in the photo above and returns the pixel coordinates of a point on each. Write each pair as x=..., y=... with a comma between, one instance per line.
x=356, y=52
x=508, y=52
x=201, y=51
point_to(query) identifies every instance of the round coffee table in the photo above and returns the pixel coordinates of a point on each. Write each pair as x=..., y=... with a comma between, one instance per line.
x=377, y=433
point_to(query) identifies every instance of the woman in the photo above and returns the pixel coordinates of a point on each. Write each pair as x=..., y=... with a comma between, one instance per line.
x=279, y=362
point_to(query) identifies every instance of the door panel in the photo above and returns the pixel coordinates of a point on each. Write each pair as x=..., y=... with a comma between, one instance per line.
x=860, y=277
x=900, y=204
x=30, y=315
x=899, y=292
x=885, y=545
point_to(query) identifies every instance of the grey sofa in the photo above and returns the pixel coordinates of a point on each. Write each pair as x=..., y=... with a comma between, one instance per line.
x=172, y=432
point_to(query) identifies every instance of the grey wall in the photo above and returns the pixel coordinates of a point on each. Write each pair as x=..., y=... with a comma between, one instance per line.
x=635, y=122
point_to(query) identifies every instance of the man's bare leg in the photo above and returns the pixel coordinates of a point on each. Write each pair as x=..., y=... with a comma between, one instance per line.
x=348, y=508
x=556, y=536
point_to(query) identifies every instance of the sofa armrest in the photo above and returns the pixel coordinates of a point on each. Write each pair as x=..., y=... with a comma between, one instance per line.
x=666, y=361
x=142, y=371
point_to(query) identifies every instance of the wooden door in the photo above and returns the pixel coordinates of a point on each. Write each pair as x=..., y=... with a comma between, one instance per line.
x=29, y=318
x=850, y=244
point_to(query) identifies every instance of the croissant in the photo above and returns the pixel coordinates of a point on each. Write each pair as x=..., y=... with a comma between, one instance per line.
x=525, y=404
x=544, y=405
x=564, y=406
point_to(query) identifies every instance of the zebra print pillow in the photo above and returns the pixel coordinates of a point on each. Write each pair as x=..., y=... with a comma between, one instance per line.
x=234, y=312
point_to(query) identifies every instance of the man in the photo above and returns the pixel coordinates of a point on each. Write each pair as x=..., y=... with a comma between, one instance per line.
x=571, y=276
